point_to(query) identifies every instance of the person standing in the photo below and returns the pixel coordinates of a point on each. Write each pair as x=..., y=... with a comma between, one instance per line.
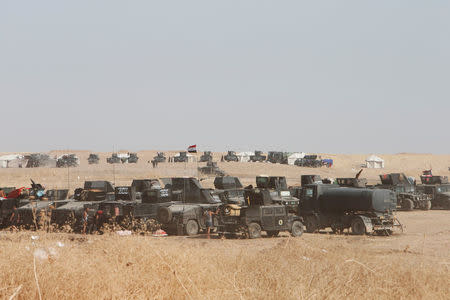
x=85, y=218
x=209, y=221
x=14, y=219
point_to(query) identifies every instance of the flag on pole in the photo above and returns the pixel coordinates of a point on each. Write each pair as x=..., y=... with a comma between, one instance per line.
x=192, y=149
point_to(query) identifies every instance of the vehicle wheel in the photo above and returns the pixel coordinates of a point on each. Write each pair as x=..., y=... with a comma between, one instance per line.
x=311, y=224
x=254, y=231
x=408, y=204
x=358, y=226
x=164, y=215
x=427, y=205
x=297, y=229
x=191, y=227
x=272, y=233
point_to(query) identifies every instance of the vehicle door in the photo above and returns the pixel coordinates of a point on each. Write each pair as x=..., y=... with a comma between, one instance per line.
x=280, y=217
x=267, y=220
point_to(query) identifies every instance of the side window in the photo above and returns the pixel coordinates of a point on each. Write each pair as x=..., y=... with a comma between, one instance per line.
x=268, y=211
x=279, y=211
x=309, y=192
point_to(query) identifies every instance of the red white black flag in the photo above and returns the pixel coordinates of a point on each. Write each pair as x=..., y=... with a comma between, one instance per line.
x=192, y=149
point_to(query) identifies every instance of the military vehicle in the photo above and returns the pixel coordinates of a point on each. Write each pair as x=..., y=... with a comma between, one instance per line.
x=36, y=160
x=206, y=157
x=160, y=158
x=114, y=159
x=275, y=188
x=88, y=197
x=181, y=158
x=407, y=196
x=231, y=156
x=93, y=159
x=133, y=158
x=56, y=194
x=141, y=185
x=258, y=157
x=67, y=160
x=309, y=161
x=260, y=214
x=277, y=157
x=211, y=168
x=38, y=213
x=230, y=190
x=437, y=187
x=364, y=210
x=353, y=181
x=186, y=216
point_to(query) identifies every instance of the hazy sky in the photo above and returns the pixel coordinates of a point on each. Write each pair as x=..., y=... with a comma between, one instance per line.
x=313, y=76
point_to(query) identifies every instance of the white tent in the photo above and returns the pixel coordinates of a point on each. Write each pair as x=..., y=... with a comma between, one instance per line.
x=12, y=161
x=294, y=156
x=244, y=156
x=374, y=162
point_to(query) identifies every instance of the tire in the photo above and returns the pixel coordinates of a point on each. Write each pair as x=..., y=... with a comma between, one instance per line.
x=297, y=229
x=254, y=231
x=272, y=233
x=358, y=226
x=407, y=204
x=427, y=205
x=191, y=228
x=337, y=228
x=164, y=215
x=311, y=224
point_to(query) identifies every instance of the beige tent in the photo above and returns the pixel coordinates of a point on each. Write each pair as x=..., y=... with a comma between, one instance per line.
x=374, y=162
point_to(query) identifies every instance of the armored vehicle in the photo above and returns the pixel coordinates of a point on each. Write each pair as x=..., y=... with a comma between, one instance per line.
x=56, y=194
x=133, y=158
x=36, y=160
x=438, y=188
x=93, y=159
x=231, y=156
x=275, y=188
x=206, y=157
x=38, y=213
x=67, y=160
x=230, y=190
x=353, y=182
x=88, y=197
x=114, y=159
x=276, y=157
x=211, y=168
x=363, y=210
x=310, y=161
x=181, y=158
x=141, y=185
x=159, y=157
x=407, y=196
x=258, y=157
x=260, y=214
x=186, y=216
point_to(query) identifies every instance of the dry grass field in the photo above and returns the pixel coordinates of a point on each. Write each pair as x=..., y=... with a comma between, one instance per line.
x=412, y=265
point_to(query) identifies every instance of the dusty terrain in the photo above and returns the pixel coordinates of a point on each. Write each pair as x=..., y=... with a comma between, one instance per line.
x=410, y=265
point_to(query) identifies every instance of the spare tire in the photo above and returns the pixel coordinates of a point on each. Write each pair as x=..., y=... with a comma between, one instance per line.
x=164, y=215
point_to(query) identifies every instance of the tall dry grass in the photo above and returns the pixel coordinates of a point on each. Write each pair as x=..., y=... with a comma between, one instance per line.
x=143, y=267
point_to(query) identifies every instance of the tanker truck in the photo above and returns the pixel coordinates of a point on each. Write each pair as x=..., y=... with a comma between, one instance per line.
x=364, y=211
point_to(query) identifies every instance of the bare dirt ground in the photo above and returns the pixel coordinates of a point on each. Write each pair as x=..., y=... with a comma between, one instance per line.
x=410, y=265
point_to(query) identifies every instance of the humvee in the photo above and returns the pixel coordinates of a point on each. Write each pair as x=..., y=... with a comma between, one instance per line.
x=93, y=159
x=211, y=168
x=276, y=189
x=258, y=157
x=90, y=197
x=438, y=188
x=181, y=158
x=206, y=157
x=114, y=159
x=133, y=158
x=408, y=197
x=230, y=156
x=159, y=157
x=67, y=160
x=260, y=214
x=277, y=157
